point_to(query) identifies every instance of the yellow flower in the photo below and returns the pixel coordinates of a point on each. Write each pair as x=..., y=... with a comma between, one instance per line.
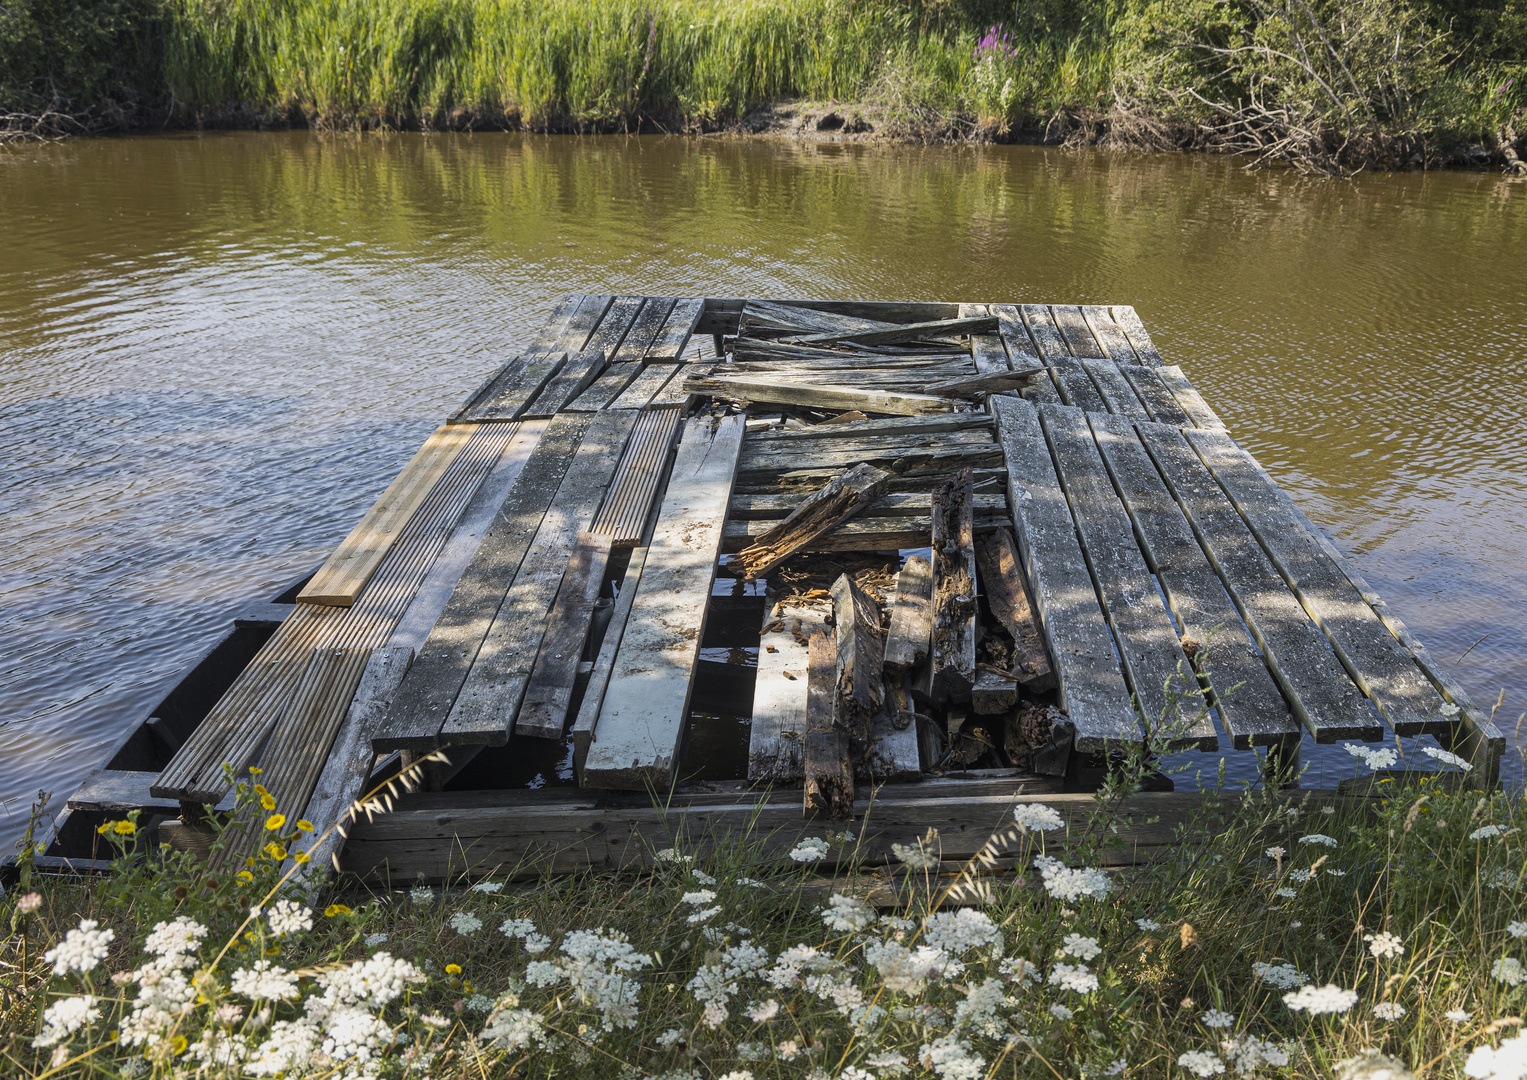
x=255, y=770
x=301, y=857
x=453, y=969
x=305, y=825
x=275, y=851
x=244, y=876
x=272, y=951
x=178, y=1045
x=124, y=828
x=335, y=909
x=104, y=828
x=267, y=801
x=466, y=987
x=274, y=822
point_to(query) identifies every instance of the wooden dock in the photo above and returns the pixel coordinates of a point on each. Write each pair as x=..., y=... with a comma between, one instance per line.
x=976, y=548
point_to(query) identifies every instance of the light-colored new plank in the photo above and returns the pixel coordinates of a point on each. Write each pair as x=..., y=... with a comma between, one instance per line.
x=345, y=573
x=637, y=738
x=777, y=739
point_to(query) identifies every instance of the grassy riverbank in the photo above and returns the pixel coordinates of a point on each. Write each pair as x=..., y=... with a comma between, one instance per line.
x=1288, y=935
x=1327, y=84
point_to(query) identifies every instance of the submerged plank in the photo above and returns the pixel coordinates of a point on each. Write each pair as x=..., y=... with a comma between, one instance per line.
x=777, y=739
x=637, y=738
x=345, y=573
x=1092, y=690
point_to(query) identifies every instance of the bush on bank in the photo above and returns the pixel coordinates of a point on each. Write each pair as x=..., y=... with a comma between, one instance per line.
x=1331, y=83
x=1284, y=938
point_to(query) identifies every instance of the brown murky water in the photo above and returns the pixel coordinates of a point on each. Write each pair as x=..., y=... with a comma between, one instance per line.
x=215, y=351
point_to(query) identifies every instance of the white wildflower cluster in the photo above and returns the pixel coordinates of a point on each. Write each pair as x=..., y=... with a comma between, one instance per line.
x=1321, y=1000
x=811, y=849
x=525, y=930
x=1201, y=1063
x=1217, y=1018
x=1250, y=1053
x=671, y=855
x=1037, y=817
x=1389, y=1010
x=465, y=923
x=1384, y=945
x=1081, y=947
x=952, y=1058
x=848, y=914
x=1281, y=976
x=1517, y=929
x=1459, y=1016
x=64, y=1017
x=287, y=918
x=1447, y=758
x=716, y=983
x=1065, y=883
x=1484, y=832
x=1509, y=970
x=914, y=857
x=1374, y=759
x=1073, y=977
x=179, y=939
x=908, y=970
x=264, y=982
x=698, y=900
x=1148, y=925
x=958, y=931
x=1508, y=1061
x=421, y=895
x=1318, y=838
x=490, y=888
x=601, y=967
x=514, y=1029
x=82, y=949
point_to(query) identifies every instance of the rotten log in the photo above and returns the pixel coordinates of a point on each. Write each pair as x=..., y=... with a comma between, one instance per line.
x=829, y=776
x=906, y=643
x=860, y=689
x=1006, y=595
x=847, y=494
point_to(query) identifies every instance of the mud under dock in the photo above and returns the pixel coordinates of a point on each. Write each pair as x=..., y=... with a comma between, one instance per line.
x=923, y=558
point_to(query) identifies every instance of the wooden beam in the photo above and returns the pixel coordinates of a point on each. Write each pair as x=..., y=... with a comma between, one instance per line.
x=911, y=631
x=641, y=721
x=829, y=787
x=982, y=324
x=951, y=669
x=1002, y=582
x=988, y=383
x=838, y=398
x=668, y=346
x=860, y=649
x=548, y=695
x=820, y=513
x=776, y=741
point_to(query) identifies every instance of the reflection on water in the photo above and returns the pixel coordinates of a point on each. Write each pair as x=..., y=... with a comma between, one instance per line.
x=215, y=350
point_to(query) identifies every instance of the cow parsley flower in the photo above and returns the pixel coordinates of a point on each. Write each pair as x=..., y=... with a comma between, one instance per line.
x=1037, y=817
x=1077, y=978
x=1384, y=945
x=1250, y=1053
x=1060, y=1012
x=81, y=950
x=1201, y=1063
x=952, y=1058
x=376, y=938
x=1318, y=838
x=514, y=1029
x=490, y=888
x=64, y=1017
x=903, y=970
x=1276, y=852
x=959, y=930
x=263, y=982
x=1285, y=892
x=465, y=923
x=1065, y=883
x=288, y=918
x=1517, y=929
x=1319, y=1000
x=516, y=928
x=1484, y=832
x=1505, y=1062
x=913, y=857
x=1217, y=1018
x=1083, y=948
x=1374, y=759
x=1148, y=925
x=669, y=855
x=847, y=913
x=421, y=895
x=1509, y=971
x=811, y=849
x=701, y=876
x=1281, y=976
x=700, y=915
x=1389, y=1010
x=175, y=941
x=764, y=1012
x=1459, y=1016
x=1447, y=758
x=1299, y=877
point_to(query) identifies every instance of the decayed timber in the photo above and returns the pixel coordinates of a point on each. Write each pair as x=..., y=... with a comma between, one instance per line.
x=668, y=345
x=829, y=777
x=548, y=696
x=1002, y=582
x=637, y=738
x=811, y=395
x=834, y=504
x=907, y=332
x=776, y=742
x=860, y=647
x=987, y=383
x=911, y=630
x=952, y=659
x=345, y=573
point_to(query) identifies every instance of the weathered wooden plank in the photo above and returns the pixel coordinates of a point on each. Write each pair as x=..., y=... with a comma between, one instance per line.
x=822, y=512
x=1073, y=327
x=302, y=738
x=909, y=427
x=627, y=504
x=1002, y=582
x=1023, y=353
x=1134, y=329
x=1116, y=390
x=581, y=326
x=1071, y=379
x=1159, y=673
x=991, y=383
x=673, y=391
x=829, y=778
x=949, y=454
x=940, y=328
x=1091, y=684
x=430, y=689
x=556, y=325
x=490, y=697
x=645, y=328
x=840, y=398
x=1109, y=334
x=667, y=346
x=892, y=752
x=1254, y=712
x=642, y=389
x=911, y=631
x=916, y=504
x=640, y=723
x=610, y=335
x=580, y=370
x=860, y=534
x=606, y=389
x=1158, y=398
x=776, y=316
x=777, y=740
x=347, y=767
x=860, y=686
x=1189, y=398
x=1382, y=667
x=1315, y=685
x=951, y=670
x=549, y=693
x=511, y=394
x=345, y=573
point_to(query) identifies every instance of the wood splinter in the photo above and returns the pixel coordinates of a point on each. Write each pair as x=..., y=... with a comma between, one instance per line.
x=845, y=496
x=829, y=776
x=860, y=690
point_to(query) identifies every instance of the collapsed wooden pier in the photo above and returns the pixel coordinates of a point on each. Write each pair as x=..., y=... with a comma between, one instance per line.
x=972, y=551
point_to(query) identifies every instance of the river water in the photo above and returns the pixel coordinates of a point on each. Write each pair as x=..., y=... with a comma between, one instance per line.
x=216, y=350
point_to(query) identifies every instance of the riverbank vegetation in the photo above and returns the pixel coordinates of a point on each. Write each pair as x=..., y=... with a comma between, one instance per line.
x=1290, y=935
x=1329, y=85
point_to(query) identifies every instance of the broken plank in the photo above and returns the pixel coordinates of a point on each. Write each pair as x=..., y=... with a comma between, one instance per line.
x=610, y=334
x=1129, y=322
x=774, y=315
x=1023, y=353
x=489, y=701
x=838, y=398
x=668, y=346
x=432, y=684
x=991, y=383
x=861, y=534
x=1380, y=665
x=914, y=427
x=982, y=324
x=892, y=752
x=606, y=389
x=548, y=695
x=1252, y=710
x=1110, y=336
x=829, y=777
x=911, y=630
x=513, y=392
x=828, y=508
x=642, y=389
x=935, y=455
x=860, y=687
x=951, y=669
x=580, y=370
x=641, y=721
x=345, y=573
x=644, y=329
x=1314, y=683
x=777, y=737
x=1091, y=685
x=575, y=336
x=1002, y=583
x=902, y=504
x=993, y=693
